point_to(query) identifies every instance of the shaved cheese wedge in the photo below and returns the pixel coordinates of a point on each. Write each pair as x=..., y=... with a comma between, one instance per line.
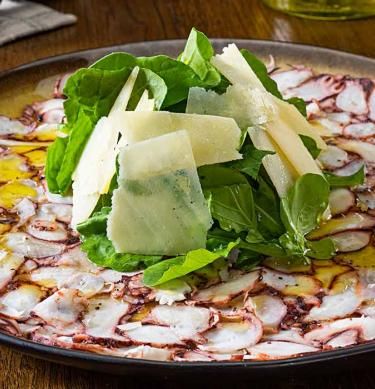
x=235, y=68
x=297, y=122
x=279, y=169
x=145, y=103
x=214, y=139
x=293, y=148
x=159, y=197
x=246, y=106
x=97, y=164
x=123, y=97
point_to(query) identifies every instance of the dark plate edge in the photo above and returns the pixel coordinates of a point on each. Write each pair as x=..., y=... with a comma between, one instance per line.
x=27, y=345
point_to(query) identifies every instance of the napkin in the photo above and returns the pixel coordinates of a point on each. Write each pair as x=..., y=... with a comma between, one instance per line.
x=21, y=18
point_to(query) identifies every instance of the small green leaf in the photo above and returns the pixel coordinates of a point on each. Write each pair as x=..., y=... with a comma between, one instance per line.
x=197, y=54
x=149, y=80
x=321, y=249
x=233, y=207
x=251, y=162
x=357, y=178
x=305, y=203
x=55, y=154
x=96, y=224
x=311, y=145
x=215, y=176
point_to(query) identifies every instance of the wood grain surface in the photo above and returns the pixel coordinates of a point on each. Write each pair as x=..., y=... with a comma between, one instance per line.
x=108, y=22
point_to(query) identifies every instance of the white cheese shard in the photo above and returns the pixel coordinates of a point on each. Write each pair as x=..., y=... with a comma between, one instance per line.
x=292, y=147
x=145, y=103
x=97, y=164
x=280, y=171
x=123, y=97
x=214, y=139
x=94, y=171
x=235, y=68
x=246, y=106
x=159, y=207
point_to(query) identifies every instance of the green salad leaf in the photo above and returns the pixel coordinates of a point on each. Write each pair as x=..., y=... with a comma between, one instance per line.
x=197, y=54
x=170, y=269
x=267, y=206
x=233, y=207
x=357, y=178
x=251, y=161
x=178, y=76
x=311, y=145
x=55, y=155
x=101, y=251
x=149, y=80
x=216, y=176
x=79, y=134
x=301, y=212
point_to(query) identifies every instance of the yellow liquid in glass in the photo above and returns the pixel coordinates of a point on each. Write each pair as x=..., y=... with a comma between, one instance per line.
x=325, y=9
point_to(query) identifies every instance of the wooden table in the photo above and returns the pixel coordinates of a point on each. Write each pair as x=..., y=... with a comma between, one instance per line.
x=109, y=22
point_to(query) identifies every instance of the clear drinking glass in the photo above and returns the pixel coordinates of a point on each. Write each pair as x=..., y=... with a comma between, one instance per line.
x=325, y=9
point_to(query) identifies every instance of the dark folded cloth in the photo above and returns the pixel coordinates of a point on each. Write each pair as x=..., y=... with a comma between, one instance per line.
x=21, y=18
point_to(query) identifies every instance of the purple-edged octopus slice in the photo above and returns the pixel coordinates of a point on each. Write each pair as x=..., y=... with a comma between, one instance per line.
x=359, y=130
x=233, y=337
x=341, y=200
x=291, y=78
x=351, y=221
x=61, y=311
x=188, y=322
x=290, y=284
x=103, y=315
x=28, y=246
x=364, y=325
x=318, y=88
x=352, y=98
x=226, y=291
x=277, y=349
x=269, y=309
x=333, y=157
x=336, y=306
x=154, y=335
x=18, y=303
x=351, y=240
x=9, y=263
x=344, y=339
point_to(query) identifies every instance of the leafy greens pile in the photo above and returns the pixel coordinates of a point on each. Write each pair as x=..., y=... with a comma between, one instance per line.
x=249, y=218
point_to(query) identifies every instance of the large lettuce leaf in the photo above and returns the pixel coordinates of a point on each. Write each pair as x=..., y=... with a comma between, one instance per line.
x=170, y=269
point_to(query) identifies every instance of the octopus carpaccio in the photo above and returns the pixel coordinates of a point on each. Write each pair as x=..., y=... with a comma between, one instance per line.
x=51, y=293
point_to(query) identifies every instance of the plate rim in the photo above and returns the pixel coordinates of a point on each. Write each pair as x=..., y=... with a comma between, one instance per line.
x=43, y=351
x=260, y=42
